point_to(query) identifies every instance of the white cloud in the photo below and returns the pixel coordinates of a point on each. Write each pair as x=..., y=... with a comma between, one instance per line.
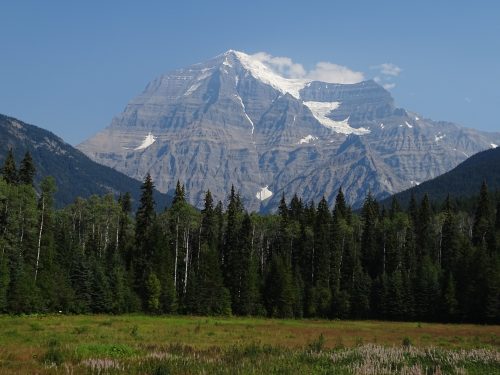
x=387, y=72
x=323, y=71
x=283, y=65
x=329, y=72
x=389, y=69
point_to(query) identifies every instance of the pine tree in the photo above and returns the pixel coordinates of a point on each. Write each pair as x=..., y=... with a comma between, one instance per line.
x=450, y=237
x=212, y=297
x=146, y=212
x=245, y=300
x=278, y=290
x=371, y=257
x=425, y=233
x=230, y=262
x=179, y=195
x=9, y=170
x=145, y=218
x=482, y=218
x=27, y=170
x=4, y=283
x=101, y=292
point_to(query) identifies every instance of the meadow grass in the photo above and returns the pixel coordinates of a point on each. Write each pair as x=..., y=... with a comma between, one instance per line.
x=138, y=344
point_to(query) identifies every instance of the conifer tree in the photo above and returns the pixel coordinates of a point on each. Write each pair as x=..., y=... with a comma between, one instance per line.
x=371, y=257
x=27, y=170
x=425, y=232
x=144, y=218
x=279, y=296
x=9, y=170
x=450, y=236
x=213, y=298
x=482, y=218
x=4, y=283
x=179, y=195
x=230, y=261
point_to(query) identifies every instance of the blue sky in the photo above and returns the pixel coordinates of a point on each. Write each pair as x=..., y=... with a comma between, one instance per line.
x=71, y=66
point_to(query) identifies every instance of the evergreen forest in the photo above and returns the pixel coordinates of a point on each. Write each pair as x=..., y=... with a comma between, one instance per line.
x=428, y=262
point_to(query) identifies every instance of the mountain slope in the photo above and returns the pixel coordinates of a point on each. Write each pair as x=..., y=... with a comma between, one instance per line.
x=75, y=174
x=462, y=181
x=232, y=120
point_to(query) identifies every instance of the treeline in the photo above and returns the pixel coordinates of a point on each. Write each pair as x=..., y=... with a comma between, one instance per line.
x=308, y=260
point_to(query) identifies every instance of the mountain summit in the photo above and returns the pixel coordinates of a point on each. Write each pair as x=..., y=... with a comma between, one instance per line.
x=234, y=120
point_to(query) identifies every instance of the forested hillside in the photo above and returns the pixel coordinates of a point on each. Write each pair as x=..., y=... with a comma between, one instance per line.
x=308, y=260
x=462, y=181
x=75, y=174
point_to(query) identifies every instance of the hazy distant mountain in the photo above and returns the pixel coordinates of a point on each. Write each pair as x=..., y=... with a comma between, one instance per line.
x=463, y=181
x=75, y=174
x=232, y=120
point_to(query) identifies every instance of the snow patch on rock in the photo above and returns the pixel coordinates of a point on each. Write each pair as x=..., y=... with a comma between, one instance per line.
x=493, y=145
x=245, y=112
x=204, y=73
x=148, y=141
x=264, y=193
x=307, y=139
x=438, y=137
x=320, y=110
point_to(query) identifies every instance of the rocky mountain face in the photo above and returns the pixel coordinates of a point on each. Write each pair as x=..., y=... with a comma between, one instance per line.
x=75, y=174
x=232, y=120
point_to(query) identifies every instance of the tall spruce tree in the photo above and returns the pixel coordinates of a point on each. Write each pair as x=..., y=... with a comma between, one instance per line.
x=482, y=218
x=9, y=169
x=144, y=218
x=212, y=297
x=371, y=257
x=27, y=170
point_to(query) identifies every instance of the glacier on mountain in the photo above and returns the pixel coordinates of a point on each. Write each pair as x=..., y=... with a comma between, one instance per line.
x=148, y=141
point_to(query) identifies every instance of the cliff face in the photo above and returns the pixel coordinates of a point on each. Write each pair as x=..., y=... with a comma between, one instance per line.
x=231, y=120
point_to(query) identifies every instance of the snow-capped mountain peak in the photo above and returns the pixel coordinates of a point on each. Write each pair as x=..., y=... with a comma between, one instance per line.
x=238, y=119
x=263, y=73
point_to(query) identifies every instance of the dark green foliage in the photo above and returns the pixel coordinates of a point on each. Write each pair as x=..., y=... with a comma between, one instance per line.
x=279, y=293
x=9, y=170
x=428, y=263
x=27, y=170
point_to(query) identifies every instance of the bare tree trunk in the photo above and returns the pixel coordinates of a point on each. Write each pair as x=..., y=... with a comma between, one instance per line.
x=117, y=232
x=40, y=238
x=199, y=250
x=176, y=251
x=383, y=259
x=312, y=264
x=186, y=260
x=106, y=234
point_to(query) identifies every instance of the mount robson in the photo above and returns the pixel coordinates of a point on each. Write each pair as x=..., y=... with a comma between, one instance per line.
x=232, y=120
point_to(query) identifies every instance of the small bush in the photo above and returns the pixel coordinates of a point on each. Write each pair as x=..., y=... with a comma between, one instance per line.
x=54, y=355
x=134, y=332
x=80, y=330
x=161, y=369
x=406, y=342
x=318, y=344
x=36, y=327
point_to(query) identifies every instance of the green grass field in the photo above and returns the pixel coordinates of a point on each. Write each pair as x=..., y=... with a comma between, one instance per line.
x=136, y=344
